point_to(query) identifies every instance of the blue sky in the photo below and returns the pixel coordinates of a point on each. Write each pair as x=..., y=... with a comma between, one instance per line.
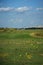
x=21, y=13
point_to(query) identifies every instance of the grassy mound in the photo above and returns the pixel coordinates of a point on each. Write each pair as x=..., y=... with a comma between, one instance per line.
x=37, y=34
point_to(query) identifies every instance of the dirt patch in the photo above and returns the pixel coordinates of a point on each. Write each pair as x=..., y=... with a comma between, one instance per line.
x=41, y=54
x=3, y=54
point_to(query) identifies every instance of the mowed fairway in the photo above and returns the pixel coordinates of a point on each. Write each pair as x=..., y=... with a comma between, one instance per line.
x=21, y=47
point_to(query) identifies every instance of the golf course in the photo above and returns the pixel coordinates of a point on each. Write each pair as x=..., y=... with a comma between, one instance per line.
x=21, y=47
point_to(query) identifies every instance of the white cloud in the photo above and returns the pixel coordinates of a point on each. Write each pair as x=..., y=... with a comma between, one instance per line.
x=22, y=9
x=39, y=8
x=6, y=8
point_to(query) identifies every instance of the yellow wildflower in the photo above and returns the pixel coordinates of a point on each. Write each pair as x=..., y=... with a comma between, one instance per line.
x=29, y=56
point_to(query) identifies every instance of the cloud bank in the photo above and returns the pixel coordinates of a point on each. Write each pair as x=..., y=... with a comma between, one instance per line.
x=18, y=9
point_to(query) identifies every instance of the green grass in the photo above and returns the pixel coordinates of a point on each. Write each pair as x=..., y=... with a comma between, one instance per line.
x=18, y=47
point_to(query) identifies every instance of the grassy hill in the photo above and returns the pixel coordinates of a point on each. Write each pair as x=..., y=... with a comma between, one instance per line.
x=21, y=47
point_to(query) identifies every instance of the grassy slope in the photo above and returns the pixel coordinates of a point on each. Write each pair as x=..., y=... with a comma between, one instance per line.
x=17, y=47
